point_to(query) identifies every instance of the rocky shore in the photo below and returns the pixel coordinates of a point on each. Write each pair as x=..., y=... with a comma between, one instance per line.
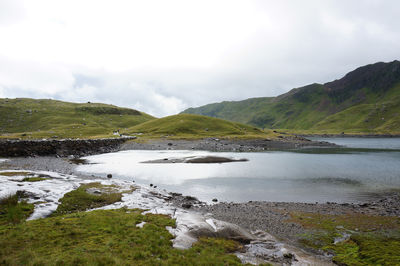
x=65, y=147
x=84, y=147
x=226, y=145
x=274, y=217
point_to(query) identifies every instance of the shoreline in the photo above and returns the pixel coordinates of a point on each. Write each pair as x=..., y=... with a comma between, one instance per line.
x=84, y=147
x=349, y=135
x=253, y=216
x=226, y=145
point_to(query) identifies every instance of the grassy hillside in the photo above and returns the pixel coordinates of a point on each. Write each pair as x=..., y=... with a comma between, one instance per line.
x=196, y=126
x=30, y=118
x=366, y=100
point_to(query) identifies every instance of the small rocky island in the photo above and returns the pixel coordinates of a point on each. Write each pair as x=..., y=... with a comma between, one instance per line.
x=198, y=159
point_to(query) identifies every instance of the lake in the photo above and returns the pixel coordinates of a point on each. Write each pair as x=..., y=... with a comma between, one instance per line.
x=363, y=168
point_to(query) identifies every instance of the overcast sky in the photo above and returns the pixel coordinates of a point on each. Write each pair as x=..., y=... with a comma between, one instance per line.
x=163, y=56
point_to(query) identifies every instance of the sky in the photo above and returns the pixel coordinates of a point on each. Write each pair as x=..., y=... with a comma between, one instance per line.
x=163, y=56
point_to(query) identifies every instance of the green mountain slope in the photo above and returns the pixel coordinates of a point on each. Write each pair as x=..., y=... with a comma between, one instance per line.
x=366, y=100
x=196, y=126
x=30, y=118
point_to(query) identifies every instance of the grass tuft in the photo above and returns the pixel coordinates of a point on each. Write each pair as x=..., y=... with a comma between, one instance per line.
x=13, y=210
x=81, y=199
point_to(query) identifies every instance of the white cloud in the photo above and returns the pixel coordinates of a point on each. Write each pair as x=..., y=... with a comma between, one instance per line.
x=182, y=53
x=41, y=78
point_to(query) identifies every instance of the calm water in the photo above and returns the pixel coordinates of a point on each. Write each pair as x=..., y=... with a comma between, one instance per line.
x=366, y=169
x=366, y=143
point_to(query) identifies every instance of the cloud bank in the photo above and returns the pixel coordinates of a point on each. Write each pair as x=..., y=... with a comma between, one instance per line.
x=163, y=56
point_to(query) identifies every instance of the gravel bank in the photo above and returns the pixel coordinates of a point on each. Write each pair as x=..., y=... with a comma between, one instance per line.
x=272, y=216
x=215, y=144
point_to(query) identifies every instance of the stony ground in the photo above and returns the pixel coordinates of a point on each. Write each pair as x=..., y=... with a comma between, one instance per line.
x=273, y=217
x=215, y=144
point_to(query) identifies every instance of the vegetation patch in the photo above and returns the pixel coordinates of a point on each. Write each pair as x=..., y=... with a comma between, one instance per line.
x=13, y=210
x=88, y=196
x=107, y=237
x=354, y=239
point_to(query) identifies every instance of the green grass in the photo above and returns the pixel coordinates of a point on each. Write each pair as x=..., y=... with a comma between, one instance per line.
x=35, y=119
x=13, y=210
x=374, y=240
x=80, y=200
x=188, y=126
x=106, y=237
x=382, y=117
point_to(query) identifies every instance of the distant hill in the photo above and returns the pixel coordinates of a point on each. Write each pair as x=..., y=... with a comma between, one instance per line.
x=196, y=126
x=366, y=100
x=30, y=118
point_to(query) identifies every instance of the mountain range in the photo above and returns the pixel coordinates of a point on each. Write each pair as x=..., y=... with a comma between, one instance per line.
x=366, y=100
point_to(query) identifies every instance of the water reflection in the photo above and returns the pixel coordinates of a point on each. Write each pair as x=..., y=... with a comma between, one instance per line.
x=270, y=176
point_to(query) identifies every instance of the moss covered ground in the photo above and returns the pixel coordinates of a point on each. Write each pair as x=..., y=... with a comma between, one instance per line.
x=13, y=210
x=100, y=237
x=82, y=199
x=371, y=240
